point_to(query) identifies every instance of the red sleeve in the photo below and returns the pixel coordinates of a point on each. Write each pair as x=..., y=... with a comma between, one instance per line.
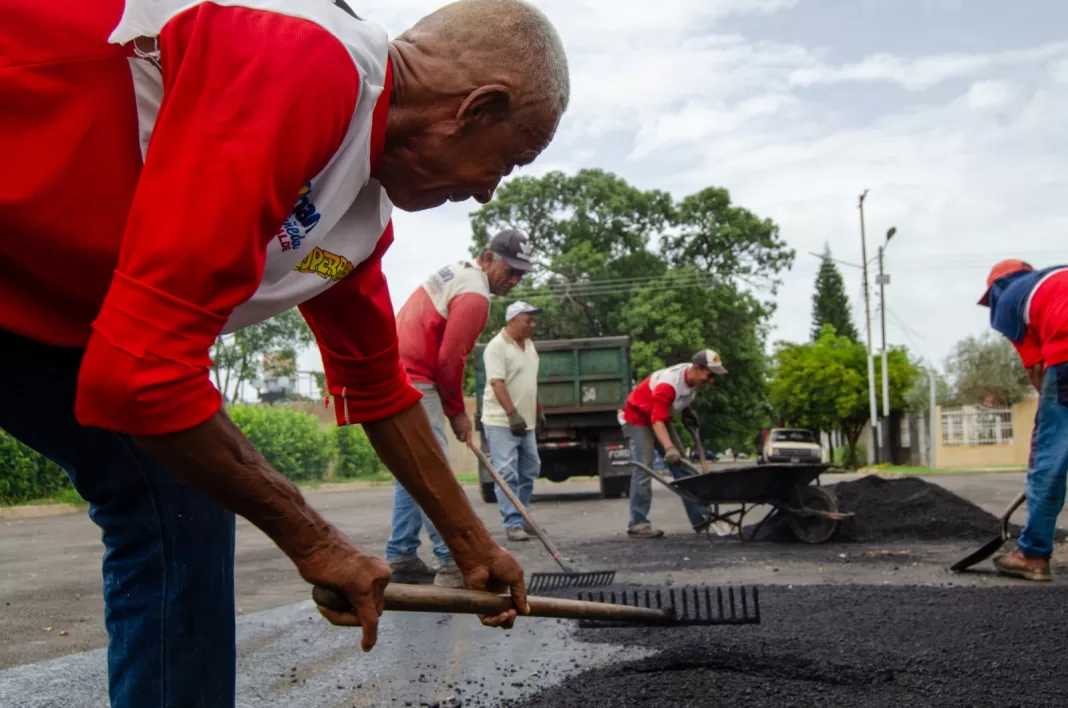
x=238, y=132
x=1030, y=349
x=468, y=314
x=354, y=325
x=663, y=397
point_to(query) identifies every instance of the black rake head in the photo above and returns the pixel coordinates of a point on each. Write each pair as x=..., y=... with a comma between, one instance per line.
x=684, y=606
x=549, y=582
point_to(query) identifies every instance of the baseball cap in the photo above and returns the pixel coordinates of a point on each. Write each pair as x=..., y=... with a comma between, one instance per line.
x=1000, y=270
x=519, y=308
x=514, y=247
x=709, y=360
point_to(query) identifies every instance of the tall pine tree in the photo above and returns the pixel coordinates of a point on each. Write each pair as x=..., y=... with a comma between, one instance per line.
x=830, y=305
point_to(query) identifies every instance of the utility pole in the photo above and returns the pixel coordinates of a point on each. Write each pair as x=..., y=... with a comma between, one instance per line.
x=867, y=319
x=931, y=432
x=883, y=281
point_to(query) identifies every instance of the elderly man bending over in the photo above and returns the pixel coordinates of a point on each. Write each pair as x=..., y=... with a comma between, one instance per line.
x=176, y=170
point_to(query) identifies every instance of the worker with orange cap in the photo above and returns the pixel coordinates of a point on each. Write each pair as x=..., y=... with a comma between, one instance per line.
x=1030, y=308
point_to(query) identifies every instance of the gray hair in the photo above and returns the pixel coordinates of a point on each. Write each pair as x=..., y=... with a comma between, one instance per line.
x=517, y=33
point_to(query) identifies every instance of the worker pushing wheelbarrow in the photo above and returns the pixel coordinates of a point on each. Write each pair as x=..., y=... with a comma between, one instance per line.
x=811, y=511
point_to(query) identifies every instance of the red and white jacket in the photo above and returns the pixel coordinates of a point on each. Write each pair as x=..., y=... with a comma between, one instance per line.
x=661, y=395
x=438, y=327
x=179, y=169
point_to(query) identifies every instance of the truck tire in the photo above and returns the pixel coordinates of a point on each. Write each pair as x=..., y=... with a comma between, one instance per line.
x=489, y=494
x=614, y=487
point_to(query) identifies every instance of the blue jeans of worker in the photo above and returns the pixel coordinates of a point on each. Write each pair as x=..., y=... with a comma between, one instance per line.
x=408, y=518
x=643, y=444
x=168, y=563
x=516, y=459
x=1049, y=466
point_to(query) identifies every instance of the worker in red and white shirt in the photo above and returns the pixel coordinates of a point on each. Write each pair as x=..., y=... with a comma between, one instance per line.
x=647, y=425
x=438, y=327
x=1030, y=308
x=174, y=170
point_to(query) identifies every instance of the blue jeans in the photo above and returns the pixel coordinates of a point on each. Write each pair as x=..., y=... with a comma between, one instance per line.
x=168, y=564
x=1049, y=466
x=408, y=518
x=643, y=446
x=517, y=461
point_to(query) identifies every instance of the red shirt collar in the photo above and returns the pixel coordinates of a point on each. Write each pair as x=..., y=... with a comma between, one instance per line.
x=378, y=121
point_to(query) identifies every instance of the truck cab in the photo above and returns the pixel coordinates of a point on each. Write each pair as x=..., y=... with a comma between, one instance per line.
x=790, y=445
x=582, y=384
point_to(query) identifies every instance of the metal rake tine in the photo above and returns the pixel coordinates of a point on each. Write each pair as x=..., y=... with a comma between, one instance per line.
x=730, y=593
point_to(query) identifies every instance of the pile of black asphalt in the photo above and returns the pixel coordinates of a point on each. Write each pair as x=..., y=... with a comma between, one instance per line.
x=844, y=646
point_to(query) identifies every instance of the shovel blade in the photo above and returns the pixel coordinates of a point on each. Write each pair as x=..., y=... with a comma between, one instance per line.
x=547, y=582
x=989, y=549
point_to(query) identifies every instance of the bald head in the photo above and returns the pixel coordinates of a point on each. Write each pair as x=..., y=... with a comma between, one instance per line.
x=508, y=39
x=479, y=88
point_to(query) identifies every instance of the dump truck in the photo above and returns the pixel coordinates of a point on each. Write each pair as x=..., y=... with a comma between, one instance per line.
x=582, y=385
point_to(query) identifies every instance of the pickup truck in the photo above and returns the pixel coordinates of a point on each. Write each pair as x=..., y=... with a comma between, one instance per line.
x=790, y=445
x=582, y=384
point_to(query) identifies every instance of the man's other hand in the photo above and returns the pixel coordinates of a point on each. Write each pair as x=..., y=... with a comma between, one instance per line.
x=672, y=456
x=516, y=424
x=461, y=427
x=359, y=577
x=689, y=418
x=495, y=570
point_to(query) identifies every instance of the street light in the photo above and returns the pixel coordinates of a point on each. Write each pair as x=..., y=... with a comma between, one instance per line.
x=867, y=325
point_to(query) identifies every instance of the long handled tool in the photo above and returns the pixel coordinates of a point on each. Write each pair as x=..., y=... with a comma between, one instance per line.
x=722, y=528
x=540, y=582
x=672, y=608
x=991, y=547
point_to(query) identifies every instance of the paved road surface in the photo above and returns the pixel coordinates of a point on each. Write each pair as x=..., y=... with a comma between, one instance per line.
x=49, y=578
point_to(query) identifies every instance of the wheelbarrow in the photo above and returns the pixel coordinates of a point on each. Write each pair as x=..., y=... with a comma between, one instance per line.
x=811, y=512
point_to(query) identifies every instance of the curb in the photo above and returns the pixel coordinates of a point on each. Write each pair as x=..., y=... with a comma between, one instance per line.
x=38, y=510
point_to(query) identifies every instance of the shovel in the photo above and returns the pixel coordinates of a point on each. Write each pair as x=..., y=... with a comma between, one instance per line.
x=991, y=547
x=570, y=578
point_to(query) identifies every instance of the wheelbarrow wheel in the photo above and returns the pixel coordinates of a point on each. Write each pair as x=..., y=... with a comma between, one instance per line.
x=814, y=529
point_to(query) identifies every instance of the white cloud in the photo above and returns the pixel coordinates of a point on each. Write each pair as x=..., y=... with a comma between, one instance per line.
x=920, y=73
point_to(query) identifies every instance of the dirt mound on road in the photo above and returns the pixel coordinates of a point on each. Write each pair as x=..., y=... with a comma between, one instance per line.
x=877, y=647
x=907, y=509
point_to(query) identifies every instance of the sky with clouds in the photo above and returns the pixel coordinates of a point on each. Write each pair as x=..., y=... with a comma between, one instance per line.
x=952, y=114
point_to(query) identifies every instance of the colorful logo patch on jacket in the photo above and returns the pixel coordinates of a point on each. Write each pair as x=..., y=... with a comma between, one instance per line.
x=301, y=222
x=325, y=264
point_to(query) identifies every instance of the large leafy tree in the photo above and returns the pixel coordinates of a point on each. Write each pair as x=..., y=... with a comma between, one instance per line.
x=674, y=276
x=986, y=370
x=830, y=304
x=823, y=385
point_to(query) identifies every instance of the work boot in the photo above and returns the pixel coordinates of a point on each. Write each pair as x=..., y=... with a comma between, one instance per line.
x=644, y=530
x=448, y=576
x=517, y=535
x=1018, y=565
x=411, y=569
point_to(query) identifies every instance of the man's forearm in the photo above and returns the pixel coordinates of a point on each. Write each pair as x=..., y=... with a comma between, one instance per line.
x=217, y=460
x=406, y=444
x=501, y=392
x=663, y=437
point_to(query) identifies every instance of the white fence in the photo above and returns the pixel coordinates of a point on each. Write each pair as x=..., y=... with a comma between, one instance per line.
x=976, y=425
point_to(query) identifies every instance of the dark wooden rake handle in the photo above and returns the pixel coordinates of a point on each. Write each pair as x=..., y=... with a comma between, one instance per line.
x=549, y=545
x=428, y=598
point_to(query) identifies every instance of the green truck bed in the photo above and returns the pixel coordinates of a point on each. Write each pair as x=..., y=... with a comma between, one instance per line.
x=575, y=375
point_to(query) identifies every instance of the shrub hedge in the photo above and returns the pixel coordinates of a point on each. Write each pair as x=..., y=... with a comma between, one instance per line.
x=291, y=440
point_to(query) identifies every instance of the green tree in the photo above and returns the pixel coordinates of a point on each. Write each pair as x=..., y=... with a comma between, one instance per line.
x=918, y=397
x=595, y=238
x=986, y=370
x=823, y=385
x=238, y=357
x=830, y=304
